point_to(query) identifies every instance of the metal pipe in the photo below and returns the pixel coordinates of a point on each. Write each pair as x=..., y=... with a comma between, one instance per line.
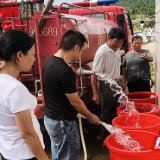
x=79, y=7
x=81, y=72
x=36, y=87
x=81, y=80
x=18, y=3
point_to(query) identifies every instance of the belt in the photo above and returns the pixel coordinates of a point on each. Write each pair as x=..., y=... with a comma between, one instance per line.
x=117, y=80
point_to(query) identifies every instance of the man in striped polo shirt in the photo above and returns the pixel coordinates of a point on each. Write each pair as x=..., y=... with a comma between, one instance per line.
x=107, y=61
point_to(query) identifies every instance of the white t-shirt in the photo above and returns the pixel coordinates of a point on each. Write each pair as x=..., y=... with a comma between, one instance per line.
x=15, y=97
x=106, y=61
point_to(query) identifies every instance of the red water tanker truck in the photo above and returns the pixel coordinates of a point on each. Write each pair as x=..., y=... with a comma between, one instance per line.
x=49, y=25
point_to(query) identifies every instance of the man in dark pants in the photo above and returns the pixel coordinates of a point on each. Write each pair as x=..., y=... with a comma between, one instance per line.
x=61, y=98
x=107, y=61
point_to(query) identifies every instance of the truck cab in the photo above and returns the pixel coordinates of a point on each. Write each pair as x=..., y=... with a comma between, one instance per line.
x=116, y=14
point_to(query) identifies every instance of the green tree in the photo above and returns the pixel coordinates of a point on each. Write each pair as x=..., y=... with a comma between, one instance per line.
x=137, y=7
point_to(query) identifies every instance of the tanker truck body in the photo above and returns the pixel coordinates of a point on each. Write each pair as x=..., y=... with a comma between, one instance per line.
x=116, y=14
x=48, y=35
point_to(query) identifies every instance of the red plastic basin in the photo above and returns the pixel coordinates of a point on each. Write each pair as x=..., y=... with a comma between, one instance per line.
x=141, y=108
x=147, y=122
x=146, y=139
x=143, y=97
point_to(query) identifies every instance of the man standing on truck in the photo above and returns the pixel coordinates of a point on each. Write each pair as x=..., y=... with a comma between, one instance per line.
x=107, y=61
x=62, y=100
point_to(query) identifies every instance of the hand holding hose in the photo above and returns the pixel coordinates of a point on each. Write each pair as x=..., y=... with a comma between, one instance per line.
x=107, y=126
x=93, y=119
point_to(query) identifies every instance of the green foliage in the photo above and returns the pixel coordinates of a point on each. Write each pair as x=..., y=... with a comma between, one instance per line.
x=138, y=7
x=136, y=26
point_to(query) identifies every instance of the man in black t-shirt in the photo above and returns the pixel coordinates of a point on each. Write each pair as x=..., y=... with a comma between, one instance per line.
x=61, y=98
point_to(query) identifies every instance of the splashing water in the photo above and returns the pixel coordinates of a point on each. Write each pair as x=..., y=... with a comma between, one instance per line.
x=153, y=109
x=123, y=138
x=132, y=120
x=152, y=96
x=126, y=140
x=116, y=88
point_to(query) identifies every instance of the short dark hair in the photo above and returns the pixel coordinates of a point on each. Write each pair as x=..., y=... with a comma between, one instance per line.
x=13, y=41
x=72, y=38
x=136, y=37
x=116, y=32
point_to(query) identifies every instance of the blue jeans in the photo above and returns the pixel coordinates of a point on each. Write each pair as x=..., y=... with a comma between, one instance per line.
x=65, y=141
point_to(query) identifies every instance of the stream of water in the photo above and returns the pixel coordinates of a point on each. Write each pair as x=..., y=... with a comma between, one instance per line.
x=132, y=120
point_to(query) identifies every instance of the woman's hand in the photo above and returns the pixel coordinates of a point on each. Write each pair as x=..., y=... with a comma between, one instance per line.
x=144, y=56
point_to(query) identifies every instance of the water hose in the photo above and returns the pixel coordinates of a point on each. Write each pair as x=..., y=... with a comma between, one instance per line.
x=82, y=136
x=107, y=126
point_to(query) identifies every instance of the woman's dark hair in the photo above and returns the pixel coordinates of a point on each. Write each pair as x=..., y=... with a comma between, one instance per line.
x=13, y=41
x=116, y=32
x=72, y=38
x=137, y=37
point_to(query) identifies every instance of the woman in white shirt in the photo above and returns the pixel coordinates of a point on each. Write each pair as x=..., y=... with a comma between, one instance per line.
x=20, y=135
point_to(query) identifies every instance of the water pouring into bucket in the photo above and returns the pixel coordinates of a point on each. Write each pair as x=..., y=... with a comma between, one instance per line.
x=132, y=119
x=133, y=144
x=121, y=137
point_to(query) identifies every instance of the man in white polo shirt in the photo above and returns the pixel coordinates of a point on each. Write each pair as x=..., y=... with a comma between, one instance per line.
x=107, y=61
